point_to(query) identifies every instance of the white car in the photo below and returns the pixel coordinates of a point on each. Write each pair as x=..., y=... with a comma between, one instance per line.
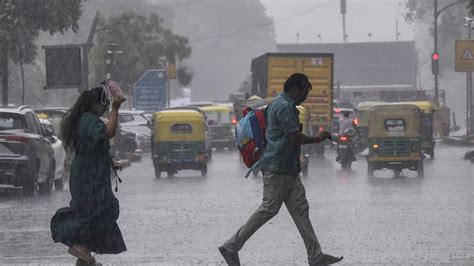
x=136, y=122
x=58, y=148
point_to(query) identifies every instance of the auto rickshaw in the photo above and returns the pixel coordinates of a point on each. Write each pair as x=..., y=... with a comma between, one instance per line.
x=428, y=112
x=395, y=138
x=362, y=122
x=219, y=120
x=305, y=149
x=179, y=141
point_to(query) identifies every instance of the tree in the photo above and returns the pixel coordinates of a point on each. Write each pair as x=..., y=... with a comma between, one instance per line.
x=450, y=26
x=143, y=40
x=224, y=41
x=470, y=7
x=20, y=23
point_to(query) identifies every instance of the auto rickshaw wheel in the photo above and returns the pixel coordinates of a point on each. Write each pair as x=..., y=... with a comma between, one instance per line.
x=157, y=169
x=204, y=170
x=431, y=154
x=420, y=168
x=370, y=169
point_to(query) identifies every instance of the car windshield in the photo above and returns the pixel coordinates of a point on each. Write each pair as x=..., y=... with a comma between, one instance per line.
x=11, y=121
x=135, y=118
x=215, y=118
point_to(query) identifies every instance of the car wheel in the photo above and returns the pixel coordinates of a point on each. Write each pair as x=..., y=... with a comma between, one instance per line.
x=59, y=184
x=45, y=187
x=29, y=187
x=170, y=173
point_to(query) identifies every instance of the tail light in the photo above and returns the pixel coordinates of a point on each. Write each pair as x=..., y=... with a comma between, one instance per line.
x=337, y=110
x=355, y=121
x=321, y=129
x=233, y=121
x=16, y=138
x=343, y=138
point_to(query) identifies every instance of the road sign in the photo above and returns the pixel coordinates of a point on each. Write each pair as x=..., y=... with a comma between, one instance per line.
x=149, y=92
x=464, y=56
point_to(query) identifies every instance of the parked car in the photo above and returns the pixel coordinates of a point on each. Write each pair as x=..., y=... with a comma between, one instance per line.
x=59, y=153
x=55, y=115
x=136, y=122
x=26, y=155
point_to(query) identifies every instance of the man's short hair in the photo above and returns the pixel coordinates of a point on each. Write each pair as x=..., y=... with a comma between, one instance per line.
x=297, y=80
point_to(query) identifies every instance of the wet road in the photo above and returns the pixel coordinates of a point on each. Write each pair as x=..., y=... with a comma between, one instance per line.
x=182, y=220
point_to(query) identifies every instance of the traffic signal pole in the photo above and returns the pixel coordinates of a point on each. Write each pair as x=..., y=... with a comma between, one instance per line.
x=469, y=91
x=436, y=14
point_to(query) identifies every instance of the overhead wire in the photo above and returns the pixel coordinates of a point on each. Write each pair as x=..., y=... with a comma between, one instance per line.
x=262, y=25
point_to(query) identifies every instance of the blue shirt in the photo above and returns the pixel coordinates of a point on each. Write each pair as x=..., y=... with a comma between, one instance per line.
x=281, y=157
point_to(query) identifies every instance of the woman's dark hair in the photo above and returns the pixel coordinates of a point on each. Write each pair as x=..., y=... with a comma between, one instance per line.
x=84, y=103
x=297, y=80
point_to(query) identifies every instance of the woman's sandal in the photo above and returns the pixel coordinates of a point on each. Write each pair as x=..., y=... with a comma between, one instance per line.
x=81, y=255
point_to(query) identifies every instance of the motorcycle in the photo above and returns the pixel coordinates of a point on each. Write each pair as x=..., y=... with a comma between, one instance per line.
x=345, y=147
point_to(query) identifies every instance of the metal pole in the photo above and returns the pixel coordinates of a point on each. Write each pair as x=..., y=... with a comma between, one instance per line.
x=344, y=36
x=4, y=70
x=436, y=14
x=85, y=54
x=468, y=87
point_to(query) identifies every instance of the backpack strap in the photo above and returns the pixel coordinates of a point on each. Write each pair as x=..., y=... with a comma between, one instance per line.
x=251, y=169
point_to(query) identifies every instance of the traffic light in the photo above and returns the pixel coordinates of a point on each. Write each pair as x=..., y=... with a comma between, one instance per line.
x=435, y=63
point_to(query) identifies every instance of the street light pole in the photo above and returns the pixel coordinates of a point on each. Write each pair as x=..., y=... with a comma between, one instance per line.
x=468, y=86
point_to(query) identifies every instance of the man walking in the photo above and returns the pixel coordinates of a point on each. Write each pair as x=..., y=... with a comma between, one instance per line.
x=281, y=181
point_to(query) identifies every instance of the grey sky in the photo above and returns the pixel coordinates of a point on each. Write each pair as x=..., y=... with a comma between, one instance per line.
x=363, y=16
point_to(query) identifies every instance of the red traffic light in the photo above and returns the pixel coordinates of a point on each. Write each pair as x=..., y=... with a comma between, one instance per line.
x=435, y=56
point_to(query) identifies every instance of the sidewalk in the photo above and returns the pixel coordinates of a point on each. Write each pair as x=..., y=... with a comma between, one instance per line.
x=462, y=140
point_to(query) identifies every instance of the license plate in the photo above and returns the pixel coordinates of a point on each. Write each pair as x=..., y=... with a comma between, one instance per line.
x=343, y=146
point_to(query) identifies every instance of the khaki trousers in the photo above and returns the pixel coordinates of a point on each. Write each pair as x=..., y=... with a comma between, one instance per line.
x=279, y=189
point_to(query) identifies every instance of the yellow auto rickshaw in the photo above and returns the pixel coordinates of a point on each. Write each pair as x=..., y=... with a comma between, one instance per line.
x=428, y=111
x=219, y=120
x=362, y=122
x=395, y=138
x=179, y=141
x=305, y=149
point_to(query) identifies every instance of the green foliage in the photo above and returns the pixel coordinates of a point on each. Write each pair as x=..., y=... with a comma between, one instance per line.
x=450, y=25
x=470, y=7
x=143, y=40
x=21, y=21
x=184, y=76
